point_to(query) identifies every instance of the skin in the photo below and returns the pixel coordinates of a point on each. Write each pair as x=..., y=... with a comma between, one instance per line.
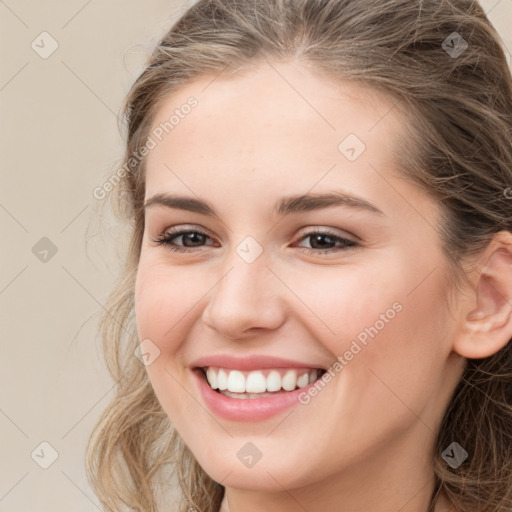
x=365, y=440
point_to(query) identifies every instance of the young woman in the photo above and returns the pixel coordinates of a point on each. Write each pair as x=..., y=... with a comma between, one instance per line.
x=316, y=308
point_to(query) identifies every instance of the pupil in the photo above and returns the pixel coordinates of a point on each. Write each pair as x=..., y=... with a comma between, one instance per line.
x=191, y=236
x=317, y=238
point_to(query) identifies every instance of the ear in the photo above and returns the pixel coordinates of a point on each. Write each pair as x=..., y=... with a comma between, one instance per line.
x=487, y=317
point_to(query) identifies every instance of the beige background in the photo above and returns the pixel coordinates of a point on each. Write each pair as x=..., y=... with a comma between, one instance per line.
x=59, y=140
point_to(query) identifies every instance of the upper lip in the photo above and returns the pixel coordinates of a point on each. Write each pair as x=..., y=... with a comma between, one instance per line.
x=254, y=362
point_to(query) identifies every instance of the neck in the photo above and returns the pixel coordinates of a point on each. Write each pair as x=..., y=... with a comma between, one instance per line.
x=442, y=505
x=399, y=478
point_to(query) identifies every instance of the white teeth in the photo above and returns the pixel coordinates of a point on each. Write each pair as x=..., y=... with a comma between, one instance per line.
x=255, y=382
x=289, y=381
x=245, y=396
x=273, y=381
x=303, y=380
x=236, y=382
x=211, y=375
x=222, y=379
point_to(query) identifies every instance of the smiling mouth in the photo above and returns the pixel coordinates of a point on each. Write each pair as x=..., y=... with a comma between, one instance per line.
x=240, y=384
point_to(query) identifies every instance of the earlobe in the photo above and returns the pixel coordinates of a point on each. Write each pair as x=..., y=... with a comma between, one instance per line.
x=487, y=320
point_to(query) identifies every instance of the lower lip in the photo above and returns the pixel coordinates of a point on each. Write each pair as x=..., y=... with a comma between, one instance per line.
x=250, y=409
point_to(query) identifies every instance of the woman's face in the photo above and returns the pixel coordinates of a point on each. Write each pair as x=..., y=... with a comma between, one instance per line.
x=354, y=283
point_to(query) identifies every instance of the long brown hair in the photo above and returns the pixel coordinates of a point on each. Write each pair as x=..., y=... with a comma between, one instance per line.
x=457, y=145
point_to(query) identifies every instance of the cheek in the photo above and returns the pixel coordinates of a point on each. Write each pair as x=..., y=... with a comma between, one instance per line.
x=398, y=306
x=393, y=343
x=164, y=307
x=393, y=339
x=390, y=322
x=164, y=298
x=339, y=305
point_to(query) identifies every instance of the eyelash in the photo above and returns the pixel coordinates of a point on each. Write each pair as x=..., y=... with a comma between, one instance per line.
x=165, y=239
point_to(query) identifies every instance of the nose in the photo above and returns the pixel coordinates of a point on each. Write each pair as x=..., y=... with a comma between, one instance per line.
x=247, y=297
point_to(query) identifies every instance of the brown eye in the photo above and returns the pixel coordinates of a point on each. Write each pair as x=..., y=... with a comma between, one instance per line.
x=325, y=241
x=190, y=238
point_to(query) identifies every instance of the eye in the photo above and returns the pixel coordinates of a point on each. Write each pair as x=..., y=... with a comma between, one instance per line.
x=324, y=241
x=321, y=241
x=194, y=237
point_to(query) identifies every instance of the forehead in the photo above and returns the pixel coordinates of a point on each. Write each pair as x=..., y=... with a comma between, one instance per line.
x=278, y=119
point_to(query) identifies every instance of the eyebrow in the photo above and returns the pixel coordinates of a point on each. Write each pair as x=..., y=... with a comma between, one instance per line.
x=285, y=206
